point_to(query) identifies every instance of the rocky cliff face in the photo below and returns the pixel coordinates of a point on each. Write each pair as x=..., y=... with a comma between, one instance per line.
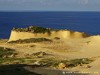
x=63, y=34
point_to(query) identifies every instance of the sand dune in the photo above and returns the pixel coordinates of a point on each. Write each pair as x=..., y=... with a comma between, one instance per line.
x=71, y=45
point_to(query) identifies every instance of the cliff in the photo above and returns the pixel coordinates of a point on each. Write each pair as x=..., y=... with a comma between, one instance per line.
x=39, y=32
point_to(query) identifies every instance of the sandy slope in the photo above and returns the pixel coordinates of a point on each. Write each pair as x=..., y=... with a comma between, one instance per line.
x=64, y=49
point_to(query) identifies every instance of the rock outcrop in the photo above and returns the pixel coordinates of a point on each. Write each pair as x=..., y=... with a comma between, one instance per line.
x=22, y=33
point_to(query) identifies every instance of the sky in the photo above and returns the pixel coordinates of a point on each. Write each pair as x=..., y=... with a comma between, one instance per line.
x=49, y=5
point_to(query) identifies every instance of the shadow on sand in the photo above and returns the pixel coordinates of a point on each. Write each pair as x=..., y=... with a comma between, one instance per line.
x=17, y=69
x=23, y=69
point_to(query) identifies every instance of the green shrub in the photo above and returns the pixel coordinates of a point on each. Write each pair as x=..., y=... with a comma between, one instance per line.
x=16, y=60
x=70, y=63
x=49, y=62
x=31, y=40
x=6, y=51
x=33, y=29
x=75, y=62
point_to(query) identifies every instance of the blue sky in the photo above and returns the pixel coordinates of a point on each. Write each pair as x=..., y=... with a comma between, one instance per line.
x=49, y=5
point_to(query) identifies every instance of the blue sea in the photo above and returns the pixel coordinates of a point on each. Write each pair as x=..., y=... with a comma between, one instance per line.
x=88, y=22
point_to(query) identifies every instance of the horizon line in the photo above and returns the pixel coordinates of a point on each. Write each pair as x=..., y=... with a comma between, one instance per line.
x=48, y=11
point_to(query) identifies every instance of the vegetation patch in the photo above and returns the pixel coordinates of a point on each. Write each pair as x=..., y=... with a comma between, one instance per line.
x=68, y=63
x=6, y=52
x=49, y=62
x=76, y=62
x=34, y=29
x=40, y=54
x=56, y=38
x=16, y=61
x=31, y=40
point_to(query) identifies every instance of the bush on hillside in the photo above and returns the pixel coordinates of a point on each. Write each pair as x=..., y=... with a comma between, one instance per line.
x=5, y=52
x=68, y=63
x=33, y=29
x=31, y=40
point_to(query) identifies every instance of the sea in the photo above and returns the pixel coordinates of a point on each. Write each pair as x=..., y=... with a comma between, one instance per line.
x=88, y=22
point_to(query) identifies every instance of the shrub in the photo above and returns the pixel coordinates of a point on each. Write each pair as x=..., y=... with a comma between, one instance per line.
x=31, y=40
x=33, y=29
x=70, y=63
x=6, y=51
x=49, y=62
x=75, y=62
x=56, y=38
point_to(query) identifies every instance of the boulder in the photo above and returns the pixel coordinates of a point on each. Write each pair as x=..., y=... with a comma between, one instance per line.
x=62, y=66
